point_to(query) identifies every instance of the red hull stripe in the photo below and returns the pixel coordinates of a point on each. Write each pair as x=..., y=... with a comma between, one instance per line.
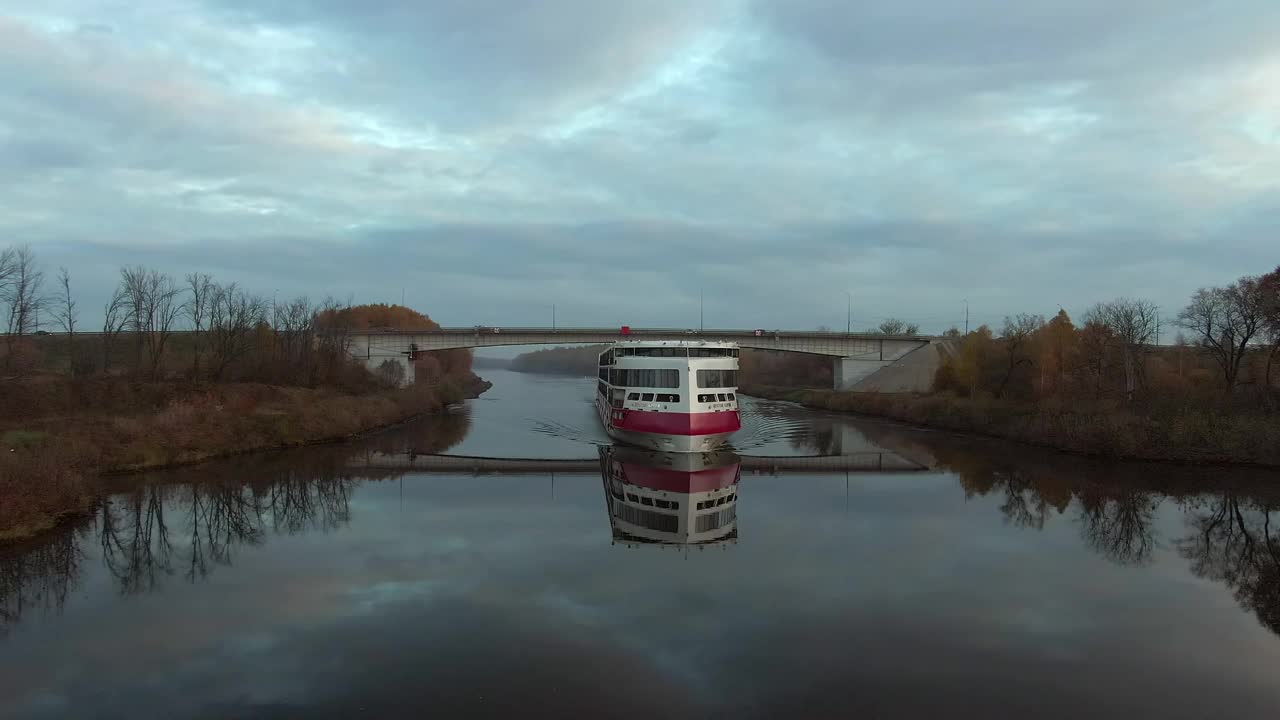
x=667, y=423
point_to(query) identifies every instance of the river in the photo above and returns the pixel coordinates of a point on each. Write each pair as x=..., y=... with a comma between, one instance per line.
x=927, y=575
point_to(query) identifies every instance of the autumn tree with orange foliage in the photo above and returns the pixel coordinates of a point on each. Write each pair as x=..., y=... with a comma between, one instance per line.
x=430, y=368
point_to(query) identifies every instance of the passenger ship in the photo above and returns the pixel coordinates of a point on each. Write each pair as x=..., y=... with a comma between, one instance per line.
x=669, y=396
x=671, y=498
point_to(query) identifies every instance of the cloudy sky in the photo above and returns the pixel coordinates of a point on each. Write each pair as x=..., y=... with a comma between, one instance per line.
x=490, y=157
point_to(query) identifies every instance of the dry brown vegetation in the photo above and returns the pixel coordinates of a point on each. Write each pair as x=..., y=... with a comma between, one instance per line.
x=182, y=371
x=1106, y=429
x=49, y=469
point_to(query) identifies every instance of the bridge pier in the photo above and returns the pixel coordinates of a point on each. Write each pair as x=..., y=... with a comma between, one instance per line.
x=403, y=377
x=849, y=371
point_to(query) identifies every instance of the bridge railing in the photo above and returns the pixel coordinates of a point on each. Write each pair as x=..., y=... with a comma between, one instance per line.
x=640, y=331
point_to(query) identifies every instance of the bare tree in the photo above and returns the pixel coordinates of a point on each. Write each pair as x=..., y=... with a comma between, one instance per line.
x=233, y=316
x=295, y=332
x=20, y=298
x=114, y=319
x=64, y=311
x=1269, y=287
x=894, y=326
x=8, y=268
x=391, y=373
x=1225, y=321
x=199, y=287
x=1132, y=325
x=1016, y=337
x=333, y=326
x=153, y=304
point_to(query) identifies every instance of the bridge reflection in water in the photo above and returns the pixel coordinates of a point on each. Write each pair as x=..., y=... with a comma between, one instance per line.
x=877, y=462
x=655, y=497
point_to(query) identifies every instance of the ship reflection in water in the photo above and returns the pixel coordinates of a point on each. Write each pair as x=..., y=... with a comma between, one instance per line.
x=671, y=498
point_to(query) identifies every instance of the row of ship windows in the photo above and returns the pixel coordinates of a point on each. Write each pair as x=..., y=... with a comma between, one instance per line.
x=653, y=502
x=669, y=397
x=664, y=504
x=608, y=357
x=667, y=378
x=654, y=397
x=715, y=502
x=718, y=397
x=643, y=378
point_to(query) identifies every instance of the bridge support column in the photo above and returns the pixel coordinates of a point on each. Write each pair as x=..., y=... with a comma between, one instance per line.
x=848, y=371
x=403, y=376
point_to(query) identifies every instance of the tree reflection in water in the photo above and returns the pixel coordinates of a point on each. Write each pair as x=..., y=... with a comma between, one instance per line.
x=40, y=577
x=1119, y=526
x=1234, y=539
x=1232, y=542
x=190, y=521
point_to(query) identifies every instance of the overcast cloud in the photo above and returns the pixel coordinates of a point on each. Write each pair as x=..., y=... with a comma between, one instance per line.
x=618, y=158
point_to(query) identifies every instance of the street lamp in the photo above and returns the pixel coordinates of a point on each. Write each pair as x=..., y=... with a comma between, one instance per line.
x=848, y=313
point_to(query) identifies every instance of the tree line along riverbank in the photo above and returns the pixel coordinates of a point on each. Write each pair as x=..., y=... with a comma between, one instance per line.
x=1102, y=387
x=247, y=374
x=1104, y=429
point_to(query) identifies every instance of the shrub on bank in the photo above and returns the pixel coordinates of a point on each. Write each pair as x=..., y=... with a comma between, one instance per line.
x=39, y=484
x=1102, y=428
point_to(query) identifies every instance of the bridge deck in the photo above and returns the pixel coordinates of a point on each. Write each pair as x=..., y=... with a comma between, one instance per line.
x=864, y=346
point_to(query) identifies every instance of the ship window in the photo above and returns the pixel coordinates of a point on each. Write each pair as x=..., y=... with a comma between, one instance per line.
x=647, y=397
x=633, y=396
x=720, y=397
x=665, y=504
x=668, y=398
x=713, y=352
x=654, y=378
x=717, y=378
x=632, y=497
x=731, y=397
x=646, y=501
x=675, y=505
x=661, y=352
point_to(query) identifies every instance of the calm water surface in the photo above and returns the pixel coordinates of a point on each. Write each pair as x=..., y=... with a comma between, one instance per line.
x=331, y=582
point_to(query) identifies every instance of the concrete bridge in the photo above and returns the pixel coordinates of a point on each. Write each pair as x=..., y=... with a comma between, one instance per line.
x=863, y=361
x=864, y=462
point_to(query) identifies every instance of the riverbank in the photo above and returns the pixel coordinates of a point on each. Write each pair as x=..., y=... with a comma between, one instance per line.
x=51, y=463
x=1110, y=431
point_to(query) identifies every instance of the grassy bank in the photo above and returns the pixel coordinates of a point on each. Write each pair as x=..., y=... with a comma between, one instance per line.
x=1104, y=429
x=51, y=461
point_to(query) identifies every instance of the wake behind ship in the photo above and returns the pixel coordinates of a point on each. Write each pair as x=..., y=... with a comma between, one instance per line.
x=669, y=396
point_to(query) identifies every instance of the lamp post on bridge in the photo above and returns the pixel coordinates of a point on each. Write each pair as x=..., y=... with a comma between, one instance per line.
x=848, y=313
